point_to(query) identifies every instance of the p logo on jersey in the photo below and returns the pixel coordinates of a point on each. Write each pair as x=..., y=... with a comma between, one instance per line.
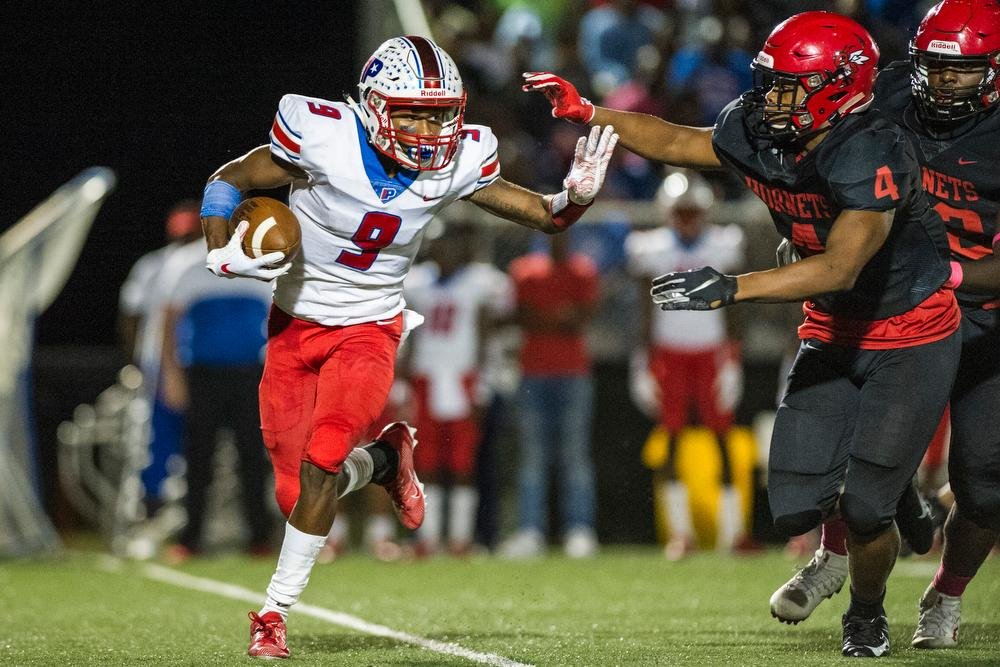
x=388, y=193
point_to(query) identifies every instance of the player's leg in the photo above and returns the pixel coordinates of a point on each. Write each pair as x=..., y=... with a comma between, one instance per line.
x=200, y=437
x=577, y=498
x=286, y=398
x=429, y=462
x=890, y=436
x=463, y=498
x=974, y=469
x=535, y=416
x=809, y=449
x=673, y=378
x=713, y=393
x=355, y=374
x=243, y=418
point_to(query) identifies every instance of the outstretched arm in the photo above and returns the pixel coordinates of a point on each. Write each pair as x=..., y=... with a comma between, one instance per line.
x=854, y=239
x=647, y=136
x=554, y=213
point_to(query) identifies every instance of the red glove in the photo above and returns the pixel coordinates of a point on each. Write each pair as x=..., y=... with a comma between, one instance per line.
x=566, y=101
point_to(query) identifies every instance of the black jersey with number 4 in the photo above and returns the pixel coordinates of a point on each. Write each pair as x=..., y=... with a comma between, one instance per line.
x=959, y=170
x=865, y=163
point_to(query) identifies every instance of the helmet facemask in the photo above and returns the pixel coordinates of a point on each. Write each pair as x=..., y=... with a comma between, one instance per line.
x=412, y=73
x=778, y=106
x=418, y=151
x=948, y=104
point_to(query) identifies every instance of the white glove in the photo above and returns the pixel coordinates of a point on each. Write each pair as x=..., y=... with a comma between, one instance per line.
x=230, y=261
x=642, y=385
x=590, y=162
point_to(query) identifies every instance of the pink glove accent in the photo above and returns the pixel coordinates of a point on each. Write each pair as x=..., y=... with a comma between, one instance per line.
x=957, y=274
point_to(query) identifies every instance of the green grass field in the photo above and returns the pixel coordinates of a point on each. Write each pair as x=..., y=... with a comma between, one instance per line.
x=628, y=607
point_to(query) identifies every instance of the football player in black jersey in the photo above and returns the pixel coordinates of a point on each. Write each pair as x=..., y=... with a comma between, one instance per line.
x=948, y=97
x=879, y=346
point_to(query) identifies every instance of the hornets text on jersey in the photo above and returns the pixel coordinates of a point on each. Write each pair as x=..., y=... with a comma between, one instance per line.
x=865, y=163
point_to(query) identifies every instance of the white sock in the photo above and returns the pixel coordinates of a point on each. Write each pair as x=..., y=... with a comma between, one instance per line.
x=357, y=470
x=730, y=519
x=462, y=514
x=339, y=530
x=430, y=530
x=677, y=510
x=380, y=527
x=298, y=555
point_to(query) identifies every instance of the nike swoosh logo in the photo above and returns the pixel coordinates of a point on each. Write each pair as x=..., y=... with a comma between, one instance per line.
x=382, y=323
x=225, y=268
x=708, y=283
x=964, y=162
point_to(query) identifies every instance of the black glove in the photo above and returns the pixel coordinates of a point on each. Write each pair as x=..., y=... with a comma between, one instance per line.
x=698, y=289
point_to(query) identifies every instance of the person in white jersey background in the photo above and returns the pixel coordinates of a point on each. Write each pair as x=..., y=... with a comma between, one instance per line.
x=366, y=178
x=691, y=358
x=461, y=299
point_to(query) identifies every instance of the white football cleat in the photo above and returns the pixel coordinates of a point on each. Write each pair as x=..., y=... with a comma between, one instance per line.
x=580, y=542
x=822, y=578
x=525, y=543
x=937, y=626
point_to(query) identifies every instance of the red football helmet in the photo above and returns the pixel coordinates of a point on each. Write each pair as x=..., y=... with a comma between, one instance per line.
x=963, y=36
x=814, y=69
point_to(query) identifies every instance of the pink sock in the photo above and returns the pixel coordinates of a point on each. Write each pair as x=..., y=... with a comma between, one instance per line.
x=835, y=536
x=949, y=584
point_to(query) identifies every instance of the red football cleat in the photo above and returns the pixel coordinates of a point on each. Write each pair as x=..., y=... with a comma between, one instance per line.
x=406, y=491
x=267, y=636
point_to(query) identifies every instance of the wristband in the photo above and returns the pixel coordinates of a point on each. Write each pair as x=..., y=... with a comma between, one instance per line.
x=956, y=277
x=220, y=199
x=564, y=212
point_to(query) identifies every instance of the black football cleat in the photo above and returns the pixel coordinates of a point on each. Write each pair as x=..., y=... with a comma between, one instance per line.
x=865, y=637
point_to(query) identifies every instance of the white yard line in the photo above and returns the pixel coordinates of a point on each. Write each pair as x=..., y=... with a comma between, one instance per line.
x=175, y=578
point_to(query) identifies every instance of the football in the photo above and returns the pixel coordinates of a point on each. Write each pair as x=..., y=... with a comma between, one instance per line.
x=273, y=227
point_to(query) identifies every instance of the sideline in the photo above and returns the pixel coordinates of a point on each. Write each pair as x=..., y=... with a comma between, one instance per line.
x=175, y=578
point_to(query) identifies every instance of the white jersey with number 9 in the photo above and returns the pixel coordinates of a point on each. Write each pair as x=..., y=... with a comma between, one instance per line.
x=360, y=228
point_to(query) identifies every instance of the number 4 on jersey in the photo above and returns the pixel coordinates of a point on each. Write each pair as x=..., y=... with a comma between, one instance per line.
x=884, y=185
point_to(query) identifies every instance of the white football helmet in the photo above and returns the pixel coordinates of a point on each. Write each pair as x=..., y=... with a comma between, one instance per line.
x=685, y=190
x=411, y=71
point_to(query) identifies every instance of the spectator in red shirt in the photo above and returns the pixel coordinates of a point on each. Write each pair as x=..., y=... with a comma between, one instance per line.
x=556, y=297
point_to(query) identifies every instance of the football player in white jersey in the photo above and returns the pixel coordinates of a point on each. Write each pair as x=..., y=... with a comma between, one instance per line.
x=366, y=178
x=689, y=355
x=461, y=298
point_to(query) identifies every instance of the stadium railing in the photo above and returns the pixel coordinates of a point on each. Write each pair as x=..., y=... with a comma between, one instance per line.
x=37, y=255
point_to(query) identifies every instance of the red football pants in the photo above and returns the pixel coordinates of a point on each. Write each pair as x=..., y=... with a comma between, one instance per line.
x=322, y=389
x=445, y=446
x=687, y=378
